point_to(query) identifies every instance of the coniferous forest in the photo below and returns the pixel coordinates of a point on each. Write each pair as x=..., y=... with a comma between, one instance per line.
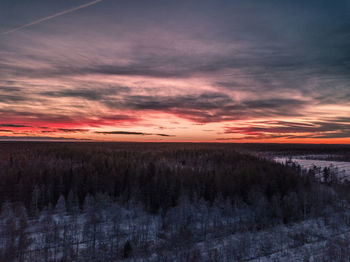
x=168, y=202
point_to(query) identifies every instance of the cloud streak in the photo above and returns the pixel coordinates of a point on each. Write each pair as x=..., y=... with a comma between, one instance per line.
x=39, y=138
x=291, y=130
x=13, y=125
x=50, y=17
x=130, y=133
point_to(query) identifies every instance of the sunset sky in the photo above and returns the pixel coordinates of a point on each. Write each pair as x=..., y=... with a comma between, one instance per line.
x=159, y=70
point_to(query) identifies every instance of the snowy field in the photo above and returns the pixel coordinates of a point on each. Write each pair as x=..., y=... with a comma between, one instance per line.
x=341, y=169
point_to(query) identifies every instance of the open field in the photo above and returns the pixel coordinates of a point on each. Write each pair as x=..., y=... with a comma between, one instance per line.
x=341, y=169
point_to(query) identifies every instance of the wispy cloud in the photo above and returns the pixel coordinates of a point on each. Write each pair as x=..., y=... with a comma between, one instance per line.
x=50, y=17
x=291, y=130
x=129, y=133
x=13, y=125
x=72, y=130
x=39, y=138
x=232, y=69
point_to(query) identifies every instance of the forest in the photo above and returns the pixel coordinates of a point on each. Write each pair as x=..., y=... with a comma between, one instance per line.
x=87, y=201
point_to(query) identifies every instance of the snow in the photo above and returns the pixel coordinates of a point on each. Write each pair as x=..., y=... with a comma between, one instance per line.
x=342, y=169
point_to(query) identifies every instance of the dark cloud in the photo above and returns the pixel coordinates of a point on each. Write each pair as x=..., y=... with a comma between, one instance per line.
x=291, y=130
x=39, y=138
x=129, y=133
x=80, y=93
x=65, y=130
x=42, y=118
x=211, y=107
x=274, y=103
x=72, y=130
x=10, y=89
x=204, y=107
x=338, y=134
x=13, y=125
x=147, y=69
x=12, y=98
x=204, y=101
x=95, y=94
x=290, y=127
x=34, y=116
x=120, y=118
x=120, y=133
x=163, y=135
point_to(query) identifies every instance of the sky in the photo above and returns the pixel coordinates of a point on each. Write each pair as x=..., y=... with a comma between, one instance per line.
x=177, y=71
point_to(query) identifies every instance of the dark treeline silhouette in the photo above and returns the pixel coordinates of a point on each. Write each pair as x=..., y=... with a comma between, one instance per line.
x=107, y=201
x=337, y=152
x=154, y=174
